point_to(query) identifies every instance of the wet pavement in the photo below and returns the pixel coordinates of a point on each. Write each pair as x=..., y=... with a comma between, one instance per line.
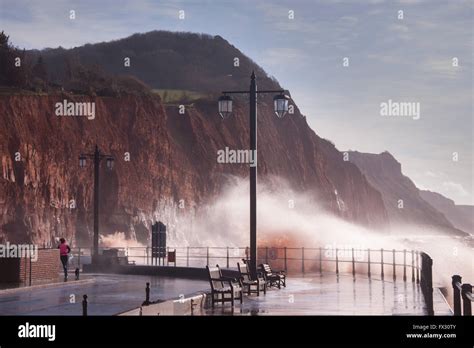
x=329, y=294
x=108, y=294
x=326, y=294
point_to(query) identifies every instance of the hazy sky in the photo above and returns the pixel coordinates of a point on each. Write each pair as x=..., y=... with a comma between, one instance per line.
x=405, y=60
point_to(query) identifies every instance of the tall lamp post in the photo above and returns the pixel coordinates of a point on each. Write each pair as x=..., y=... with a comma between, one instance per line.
x=280, y=102
x=97, y=156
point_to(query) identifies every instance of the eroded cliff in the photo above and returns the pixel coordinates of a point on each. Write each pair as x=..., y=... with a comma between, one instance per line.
x=165, y=165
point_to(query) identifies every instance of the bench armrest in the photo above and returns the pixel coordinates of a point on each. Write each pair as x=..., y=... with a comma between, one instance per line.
x=225, y=280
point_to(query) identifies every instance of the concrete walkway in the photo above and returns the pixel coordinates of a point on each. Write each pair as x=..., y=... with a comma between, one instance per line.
x=108, y=294
x=329, y=294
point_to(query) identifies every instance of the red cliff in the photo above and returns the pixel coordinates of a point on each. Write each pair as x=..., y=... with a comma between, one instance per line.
x=172, y=157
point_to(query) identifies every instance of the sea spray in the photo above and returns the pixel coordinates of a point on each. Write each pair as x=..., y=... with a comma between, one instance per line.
x=286, y=218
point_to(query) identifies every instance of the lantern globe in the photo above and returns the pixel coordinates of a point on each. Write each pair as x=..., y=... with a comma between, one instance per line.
x=280, y=104
x=82, y=161
x=110, y=163
x=225, y=106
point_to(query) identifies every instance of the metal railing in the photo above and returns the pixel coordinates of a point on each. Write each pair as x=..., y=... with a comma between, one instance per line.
x=398, y=264
x=463, y=291
x=403, y=264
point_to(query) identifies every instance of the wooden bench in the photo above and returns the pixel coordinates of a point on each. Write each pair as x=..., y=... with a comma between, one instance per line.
x=223, y=289
x=273, y=278
x=246, y=280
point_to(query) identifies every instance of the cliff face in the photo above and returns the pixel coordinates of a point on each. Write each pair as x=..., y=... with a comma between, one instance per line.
x=367, y=205
x=287, y=148
x=402, y=199
x=461, y=216
x=36, y=191
x=166, y=162
x=172, y=159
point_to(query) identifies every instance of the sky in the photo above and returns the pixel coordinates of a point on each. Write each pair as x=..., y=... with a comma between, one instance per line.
x=420, y=55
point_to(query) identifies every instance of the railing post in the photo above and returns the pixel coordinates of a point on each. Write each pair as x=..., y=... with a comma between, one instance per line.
x=84, y=305
x=417, y=267
x=381, y=262
x=353, y=263
x=266, y=255
x=227, y=257
x=337, y=262
x=207, y=256
x=404, y=265
x=302, y=259
x=320, y=260
x=426, y=281
x=286, y=267
x=32, y=265
x=167, y=259
x=368, y=262
x=456, y=294
x=147, y=294
x=413, y=266
x=394, y=266
x=466, y=302
x=187, y=256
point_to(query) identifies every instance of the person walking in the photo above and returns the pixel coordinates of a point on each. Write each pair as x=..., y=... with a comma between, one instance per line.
x=64, y=251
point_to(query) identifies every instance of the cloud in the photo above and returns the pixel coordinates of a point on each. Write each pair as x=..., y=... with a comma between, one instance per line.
x=348, y=20
x=49, y=25
x=452, y=188
x=399, y=31
x=443, y=67
x=389, y=59
x=411, y=2
x=433, y=175
x=285, y=56
x=399, y=28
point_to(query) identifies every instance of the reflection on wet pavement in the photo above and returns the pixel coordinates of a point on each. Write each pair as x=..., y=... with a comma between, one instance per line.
x=109, y=294
x=329, y=294
x=326, y=294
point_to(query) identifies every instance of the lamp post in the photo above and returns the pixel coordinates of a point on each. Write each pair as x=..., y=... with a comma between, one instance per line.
x=97, y=156
x=280, y=102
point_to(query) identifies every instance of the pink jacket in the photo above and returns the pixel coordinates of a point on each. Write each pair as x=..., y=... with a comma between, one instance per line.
x=64, y=249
